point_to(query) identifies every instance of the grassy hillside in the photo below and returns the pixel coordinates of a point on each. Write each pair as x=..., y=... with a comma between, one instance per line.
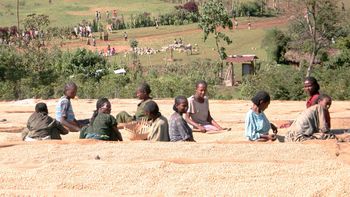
x=70, y=12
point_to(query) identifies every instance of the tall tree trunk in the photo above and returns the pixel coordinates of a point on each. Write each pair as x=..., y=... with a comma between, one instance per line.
x=17, y=15
x=311, y=62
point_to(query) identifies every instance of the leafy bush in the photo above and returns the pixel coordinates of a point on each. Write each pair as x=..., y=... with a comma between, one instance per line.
x=275, y=43
x=281, y=81
x=255, y=8
x=86, y=63
x=284, y=82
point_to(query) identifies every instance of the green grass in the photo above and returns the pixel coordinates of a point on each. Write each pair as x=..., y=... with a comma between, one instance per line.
x=71, y=12
x=244, y=42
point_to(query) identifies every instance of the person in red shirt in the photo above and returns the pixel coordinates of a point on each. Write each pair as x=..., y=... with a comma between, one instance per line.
x=312, y=88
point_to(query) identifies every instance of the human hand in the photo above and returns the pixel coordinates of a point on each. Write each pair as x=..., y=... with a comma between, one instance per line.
x=274, y=128
x=272, y=137
x=201, y=128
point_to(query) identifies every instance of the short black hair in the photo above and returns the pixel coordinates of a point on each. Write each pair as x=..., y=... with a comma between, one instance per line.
x=323, y=96
x=261, y=96
x=41, y=108
x=178, y=100
x=69, y=85
x=201, y=82
x=145, y=87
x=314, y=83
x=151, y=107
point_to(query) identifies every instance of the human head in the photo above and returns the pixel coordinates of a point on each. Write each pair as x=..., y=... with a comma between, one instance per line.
x=143, y=91
x=70, y=89
x=41, y=108
x=311, y=86
x=151, y=109
x=324, y=100
x=181, y=104
x=103, y=106
x=201, y=88
x=261, y=100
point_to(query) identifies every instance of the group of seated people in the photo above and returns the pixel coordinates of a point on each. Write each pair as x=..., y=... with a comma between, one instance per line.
x=313, y=123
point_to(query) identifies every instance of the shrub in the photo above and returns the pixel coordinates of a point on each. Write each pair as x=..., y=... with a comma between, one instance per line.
x=275, y=43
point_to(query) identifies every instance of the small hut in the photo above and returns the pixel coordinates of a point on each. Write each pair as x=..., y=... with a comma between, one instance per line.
x=243, y=63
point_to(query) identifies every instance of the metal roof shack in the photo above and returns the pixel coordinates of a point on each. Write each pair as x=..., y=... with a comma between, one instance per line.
x=241, y=58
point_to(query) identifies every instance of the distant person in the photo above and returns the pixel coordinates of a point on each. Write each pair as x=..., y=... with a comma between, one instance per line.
x=40, y=126
x=159, y=129
x=179, y=130
x=125, y=36
x=311, y=87
x=157, y=24
x=103, y=126
x=143, y=93
x=93, y=41
x=107, y=14
x=249, y=25
x=312, y=123
x=64, y=109
x=257, y=125
x=198, y=114
x=97, y=16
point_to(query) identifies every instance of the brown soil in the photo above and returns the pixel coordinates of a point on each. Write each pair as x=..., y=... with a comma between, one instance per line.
x=217, y=164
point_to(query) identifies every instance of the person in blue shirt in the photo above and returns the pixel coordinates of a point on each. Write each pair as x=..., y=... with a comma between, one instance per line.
x=257, y=125
x=64, y=109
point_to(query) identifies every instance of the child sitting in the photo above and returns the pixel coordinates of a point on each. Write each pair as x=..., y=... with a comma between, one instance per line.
x=41, y=126
x=64, y=109
x=178, y=127
x=103, y=126
x=257, y=125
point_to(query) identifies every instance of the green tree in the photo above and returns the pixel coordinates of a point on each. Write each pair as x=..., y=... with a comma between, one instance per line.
x=316, y=23
x=37, y=23
x=214, y=16
x=275, y=43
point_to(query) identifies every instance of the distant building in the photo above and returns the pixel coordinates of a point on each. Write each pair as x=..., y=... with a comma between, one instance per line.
x=242, y=64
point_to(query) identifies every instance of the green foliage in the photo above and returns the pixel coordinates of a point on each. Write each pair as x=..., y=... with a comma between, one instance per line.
x=338, y=88
x=133, y=43
x=313, y=31
x=342, y=57
x=214, y=15
x=285, y=83
x=275, y=43
x=36, y=22
x=281, y=81
x=255, y=8
x=86, y=63
x=178, y=17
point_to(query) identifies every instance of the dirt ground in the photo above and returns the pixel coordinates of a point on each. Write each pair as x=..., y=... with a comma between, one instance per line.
x=217, y=164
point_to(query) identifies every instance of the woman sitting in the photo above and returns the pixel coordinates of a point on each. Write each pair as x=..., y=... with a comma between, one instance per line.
x=143, y=93
x=312, y=122
x=159, y=129
x=103, y=126
x=257, y=125
x=178, y=127
x=198, y=114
